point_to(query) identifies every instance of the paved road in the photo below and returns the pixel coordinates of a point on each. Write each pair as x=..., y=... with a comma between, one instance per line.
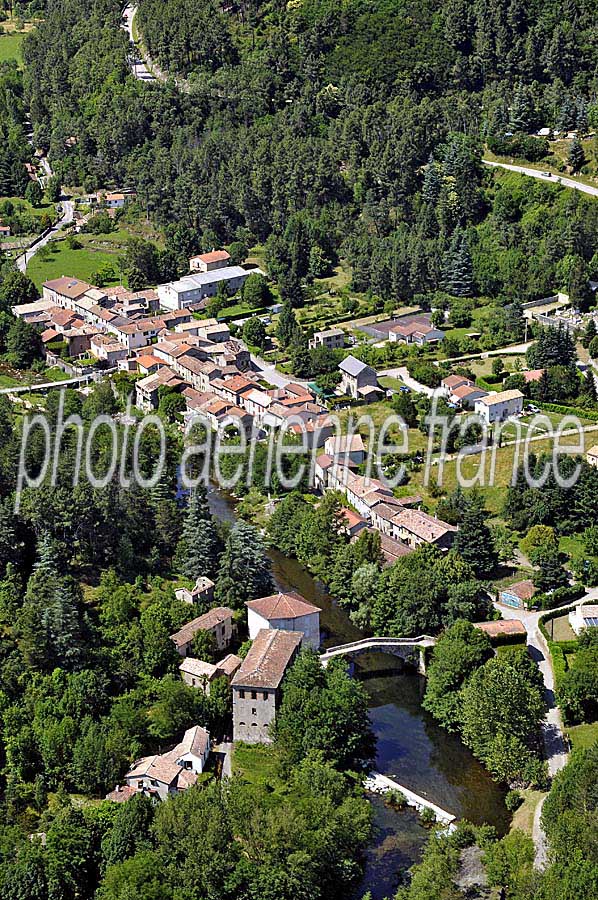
x=271, y=374
x=68, y=214
x=555, y=745
x=403, y=375
x=140, y=66
x=554, y=178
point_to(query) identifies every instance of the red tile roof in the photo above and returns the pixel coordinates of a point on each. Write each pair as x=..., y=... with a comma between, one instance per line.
x=289, y=605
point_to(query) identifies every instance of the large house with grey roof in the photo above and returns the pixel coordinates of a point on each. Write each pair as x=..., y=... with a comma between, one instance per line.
x=359, y=380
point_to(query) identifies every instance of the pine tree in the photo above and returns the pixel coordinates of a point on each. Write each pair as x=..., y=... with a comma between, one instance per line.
x=576, y=158
x=458, y=267
x=474, y=541
x=288, y=328
x=589, y=333
x=199, y=545
x=432, y=182
x=245, y=569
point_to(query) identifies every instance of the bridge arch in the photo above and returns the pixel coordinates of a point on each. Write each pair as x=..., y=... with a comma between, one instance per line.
x=412, y=650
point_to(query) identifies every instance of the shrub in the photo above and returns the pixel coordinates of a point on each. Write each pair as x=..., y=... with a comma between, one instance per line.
x=427, y=817
x=513, y=801
x=396, y=799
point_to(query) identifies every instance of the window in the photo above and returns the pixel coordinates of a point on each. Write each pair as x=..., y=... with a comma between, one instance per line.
x=242, y=724
x=242, y=695
x=193, y=682
x=253, y=711
x=254, y=695
x=265, y=695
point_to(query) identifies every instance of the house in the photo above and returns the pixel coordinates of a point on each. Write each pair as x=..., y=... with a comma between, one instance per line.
x=4, y=231
x=415, y=527
x=193, y=289
x=62, y=291
x=500, y=406
x=170, y=773
x=592, y=456
x=466, y=395
x=353, y=523
x=451, y=382
x=200, y=674
x=332, y=338
x=207, y=262
x=256, y=685
x=218, y=621
x=518, y=595
x=287, y=611
x=346, y=448
x=104, y=346
x=415, y=333
x=116, y=200
x=147, y=389
x=201, y=593
x=357, y=378
x=584, y=616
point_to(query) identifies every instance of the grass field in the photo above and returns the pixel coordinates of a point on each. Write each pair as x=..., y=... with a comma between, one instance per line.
x=523, y=818
x=583, y=736
x=10, y=46
x=96, y=254
x=560, y=630
x=258, y=764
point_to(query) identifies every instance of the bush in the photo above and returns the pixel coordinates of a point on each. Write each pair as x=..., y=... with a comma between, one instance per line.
x=427, y=817
x=523, y=145
x=396, y=799
x=513, y=801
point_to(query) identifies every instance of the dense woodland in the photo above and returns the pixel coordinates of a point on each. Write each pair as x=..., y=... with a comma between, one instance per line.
x=332, y=130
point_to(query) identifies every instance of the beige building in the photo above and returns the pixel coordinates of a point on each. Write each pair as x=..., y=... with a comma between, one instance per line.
x=218, y=621
x=207, y=262
x=159, y=776
x=592, y=455
x=202, y=592
x=333, y=338
x=200, y=674
x=256, y=686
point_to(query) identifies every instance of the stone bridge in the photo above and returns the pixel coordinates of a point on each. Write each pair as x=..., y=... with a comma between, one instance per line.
x=412, y=650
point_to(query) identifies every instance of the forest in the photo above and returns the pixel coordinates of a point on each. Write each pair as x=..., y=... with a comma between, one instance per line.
x=332, y=130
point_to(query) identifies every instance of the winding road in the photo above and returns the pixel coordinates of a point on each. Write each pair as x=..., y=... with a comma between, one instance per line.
x=553, y=178
x=555, y=744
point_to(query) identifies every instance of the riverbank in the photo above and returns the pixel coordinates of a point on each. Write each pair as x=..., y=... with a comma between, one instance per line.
x=410, y=746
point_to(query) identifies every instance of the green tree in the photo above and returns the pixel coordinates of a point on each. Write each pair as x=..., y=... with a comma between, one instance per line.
x=34, y=193
x=459, y=652
x=254, y=332
x=245, y=569
x=474, y=540
x=576, y=157
x=256, y=291
x=199, y=545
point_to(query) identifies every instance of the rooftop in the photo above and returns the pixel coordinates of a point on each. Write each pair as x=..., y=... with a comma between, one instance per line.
x=501, y=626
x=213, y=256
x=422, y=525
x=210, y=619
x=352, y=366
x=267, y=660
x=501, y=397
x=525, y=590
x=289, y=605
x=69, y=287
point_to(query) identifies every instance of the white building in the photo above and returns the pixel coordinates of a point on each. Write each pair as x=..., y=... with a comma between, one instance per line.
x=286, y=612
x=346, y=448
x=583, y=616
x=193, y=289
x=498, y=407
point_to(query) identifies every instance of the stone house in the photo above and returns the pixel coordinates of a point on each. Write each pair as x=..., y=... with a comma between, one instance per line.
x=287, y=611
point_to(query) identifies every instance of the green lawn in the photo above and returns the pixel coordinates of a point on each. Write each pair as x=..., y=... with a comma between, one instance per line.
x=81, y=263
x=583, y=736
x=10, y=46
x=523, y=818
x=257, y=764
x=560, y=629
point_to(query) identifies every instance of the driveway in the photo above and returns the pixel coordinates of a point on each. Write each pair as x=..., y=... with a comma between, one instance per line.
x=403, y=375
x=68, y=214
x=270, y=373
x=554, y=178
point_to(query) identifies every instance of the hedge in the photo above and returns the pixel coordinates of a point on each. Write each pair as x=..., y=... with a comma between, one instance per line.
x=592, y=415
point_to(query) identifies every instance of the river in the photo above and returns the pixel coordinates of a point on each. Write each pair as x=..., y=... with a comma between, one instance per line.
x=411, y=747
